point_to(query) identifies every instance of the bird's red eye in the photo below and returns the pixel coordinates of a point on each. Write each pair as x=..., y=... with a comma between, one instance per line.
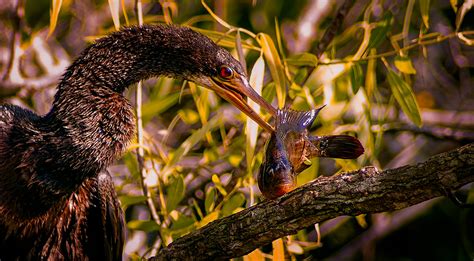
x=225, y=72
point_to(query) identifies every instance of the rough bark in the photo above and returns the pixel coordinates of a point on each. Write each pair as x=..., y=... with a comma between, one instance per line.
x=363, y=191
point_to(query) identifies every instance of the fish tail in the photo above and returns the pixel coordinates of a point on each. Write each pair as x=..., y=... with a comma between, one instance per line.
x=338, y=146
x=290, y=120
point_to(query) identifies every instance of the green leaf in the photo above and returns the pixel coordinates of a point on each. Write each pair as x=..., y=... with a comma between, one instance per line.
x=143, y=225
x=127, y=200
x=174, y=192
x=37, y=13
x=275, y=65
x=379, y=33
x=425, y=12
x=356, y=75
x=210, y=203
x=236, y=201
x=181, y=222
x=404, y=65
x=303, y=59
x=404, y=96
x=155, y=107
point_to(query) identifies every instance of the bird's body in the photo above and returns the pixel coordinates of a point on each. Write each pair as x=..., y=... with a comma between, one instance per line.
x=56, y=199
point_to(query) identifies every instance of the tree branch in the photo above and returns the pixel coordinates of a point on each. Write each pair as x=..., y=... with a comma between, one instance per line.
x=363, y=191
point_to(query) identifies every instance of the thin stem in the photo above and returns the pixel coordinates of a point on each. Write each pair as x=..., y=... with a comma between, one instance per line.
x=438, y=39
x=140, y=151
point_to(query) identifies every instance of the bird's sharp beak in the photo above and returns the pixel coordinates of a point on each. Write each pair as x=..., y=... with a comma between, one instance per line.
x=235, y=90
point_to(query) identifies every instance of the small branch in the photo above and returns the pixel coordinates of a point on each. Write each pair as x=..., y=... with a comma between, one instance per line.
x=363, y=191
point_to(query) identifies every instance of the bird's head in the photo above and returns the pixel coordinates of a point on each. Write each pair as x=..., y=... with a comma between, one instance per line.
x=193, y=56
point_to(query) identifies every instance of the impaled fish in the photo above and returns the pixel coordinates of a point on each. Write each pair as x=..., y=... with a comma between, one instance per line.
x=290, y=147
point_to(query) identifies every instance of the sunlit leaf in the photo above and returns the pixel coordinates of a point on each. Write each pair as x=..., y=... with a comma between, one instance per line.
x=215, y=16
x=237, y=200
x=404, y=96
x=255, y=255
x=53, y=15
x=371, y=76
x=404, y=65
x=218, y=184
x=114, y=6
x=357, y=77
x=466, y=6
x=174, y=192
x=155, y=107
x=182, y=221
x=128, y=200
x=208, y=219
x=143, y=225
x=251, y=127
x=209, y=202
x=240, y=51
x=425, y=12
x=278, y=250
x=454, y=5
x=295, y=248
x=275, y=65
x=303, y=59
x=188, y=116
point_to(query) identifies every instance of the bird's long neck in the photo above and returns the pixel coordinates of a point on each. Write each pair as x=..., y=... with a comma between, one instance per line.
x=89, y=112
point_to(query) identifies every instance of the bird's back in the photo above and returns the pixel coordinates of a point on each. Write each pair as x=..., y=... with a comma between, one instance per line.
x=83, y=224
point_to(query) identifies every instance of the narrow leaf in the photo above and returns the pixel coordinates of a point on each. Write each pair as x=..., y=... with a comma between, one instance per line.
x=425, y=12
x=404, y=96
x=54, y=13
x=404, y=65
x=174, y=192
x=371, y=76
x=275, y=65
x=143, y=225
x=114, y=6
x=127, y=200
x=462, y=12
x=210, y=201
x=237, y=200
x=303, y=59
x=251, y=127
x=356, y=75
x=278, y=250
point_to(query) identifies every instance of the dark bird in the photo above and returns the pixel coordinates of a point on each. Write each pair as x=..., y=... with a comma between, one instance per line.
x=57, y=200
x=290, y=147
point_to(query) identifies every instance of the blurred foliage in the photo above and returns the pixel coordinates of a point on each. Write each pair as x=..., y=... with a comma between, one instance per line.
x=395, y=74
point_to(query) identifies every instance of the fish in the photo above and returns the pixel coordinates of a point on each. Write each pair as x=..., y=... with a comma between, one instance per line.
x=290, y=147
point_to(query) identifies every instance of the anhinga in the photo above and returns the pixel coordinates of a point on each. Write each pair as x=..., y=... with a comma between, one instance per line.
x=56, y=199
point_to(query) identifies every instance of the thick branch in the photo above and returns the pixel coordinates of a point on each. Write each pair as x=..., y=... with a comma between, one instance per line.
x=364, y=191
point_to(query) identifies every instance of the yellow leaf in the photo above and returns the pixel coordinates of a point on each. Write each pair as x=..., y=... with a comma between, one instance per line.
x=255, y=255
x=217, y=18
x=404, y=65
x=251, y=128
x=208, y=219
x=278, y=250
x=114, y=10
x=53, y=15
x=275, y=65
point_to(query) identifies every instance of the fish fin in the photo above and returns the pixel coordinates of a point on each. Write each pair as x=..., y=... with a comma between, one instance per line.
x=298, y=121
x=340, y=146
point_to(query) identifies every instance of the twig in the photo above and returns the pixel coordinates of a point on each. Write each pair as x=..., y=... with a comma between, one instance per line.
x=363, y=191
x=140, y=151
